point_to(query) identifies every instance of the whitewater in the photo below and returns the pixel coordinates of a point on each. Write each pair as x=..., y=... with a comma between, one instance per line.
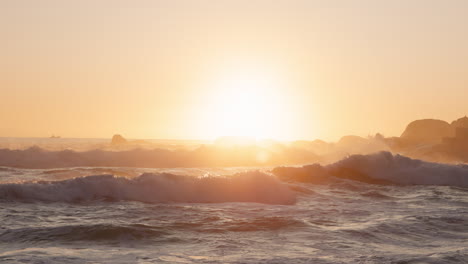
x=376, y=208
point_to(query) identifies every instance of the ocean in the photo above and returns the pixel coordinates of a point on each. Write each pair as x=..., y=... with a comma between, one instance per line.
x=378, y=208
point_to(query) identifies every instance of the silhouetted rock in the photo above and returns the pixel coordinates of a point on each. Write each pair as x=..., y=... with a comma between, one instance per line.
x=456, y=148
x=379, y=136
x=118, y=139
x=427, y=131
x=461, y=122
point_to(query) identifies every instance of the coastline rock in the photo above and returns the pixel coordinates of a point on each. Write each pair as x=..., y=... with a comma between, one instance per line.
x=118, y=140
x=427, y=131
x=461, y=122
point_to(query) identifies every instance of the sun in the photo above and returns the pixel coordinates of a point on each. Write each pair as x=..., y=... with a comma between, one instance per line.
x=247, y=103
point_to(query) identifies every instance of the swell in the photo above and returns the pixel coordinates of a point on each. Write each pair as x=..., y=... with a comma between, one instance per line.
x=204, y=156
x=256, y=224
x=155, y=188
x=413, y=230
x=97, y=232
x=380, y=168
x=141, y=232
x=254, y=186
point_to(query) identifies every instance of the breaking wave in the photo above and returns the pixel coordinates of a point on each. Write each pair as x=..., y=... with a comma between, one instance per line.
x=155, y=188
x=253, y=186
x=380, y=168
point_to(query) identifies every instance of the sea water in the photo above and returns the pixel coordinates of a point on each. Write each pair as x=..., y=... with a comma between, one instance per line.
x=237, y=215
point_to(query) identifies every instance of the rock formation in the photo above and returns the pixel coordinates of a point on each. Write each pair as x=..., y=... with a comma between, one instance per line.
x=461, y=122
x=427, y=131
x=118, y=140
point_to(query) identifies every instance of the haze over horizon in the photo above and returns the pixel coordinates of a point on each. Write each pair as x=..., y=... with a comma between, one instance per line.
x=204, y=69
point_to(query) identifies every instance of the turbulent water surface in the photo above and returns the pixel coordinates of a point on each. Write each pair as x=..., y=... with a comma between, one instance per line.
x=365, y=209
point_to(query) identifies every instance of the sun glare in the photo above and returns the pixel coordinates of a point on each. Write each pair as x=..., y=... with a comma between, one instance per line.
x=248, y=103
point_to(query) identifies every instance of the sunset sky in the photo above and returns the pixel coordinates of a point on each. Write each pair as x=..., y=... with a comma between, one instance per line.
x=190, y=69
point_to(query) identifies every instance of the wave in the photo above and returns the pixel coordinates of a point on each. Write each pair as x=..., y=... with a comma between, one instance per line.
x=253, y=186
x=141, y=232
x=203, y=156
x=155, y=188
x=97, y=232
x=221, y=225
x=380, y=168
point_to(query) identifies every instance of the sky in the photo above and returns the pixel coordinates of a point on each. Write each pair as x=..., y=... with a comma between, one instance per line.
x=199, y=69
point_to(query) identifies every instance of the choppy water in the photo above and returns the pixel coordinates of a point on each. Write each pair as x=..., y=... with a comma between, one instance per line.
x=187, y=216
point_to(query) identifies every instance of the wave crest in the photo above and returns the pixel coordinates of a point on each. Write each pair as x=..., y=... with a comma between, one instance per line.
x=155, y=188
x=380, y=168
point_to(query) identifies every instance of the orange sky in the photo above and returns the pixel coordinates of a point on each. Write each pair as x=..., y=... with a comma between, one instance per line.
x=168, y=69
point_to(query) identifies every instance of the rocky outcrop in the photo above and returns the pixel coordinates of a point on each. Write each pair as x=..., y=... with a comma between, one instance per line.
x=461, y=122
x=118, y=140
x=427, y=131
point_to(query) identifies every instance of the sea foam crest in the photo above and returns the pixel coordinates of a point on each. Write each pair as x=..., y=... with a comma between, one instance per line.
x=381, y=167
x=404, y=170
x=155, y=188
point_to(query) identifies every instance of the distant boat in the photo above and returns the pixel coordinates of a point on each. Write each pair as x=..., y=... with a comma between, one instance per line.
x=54, y=136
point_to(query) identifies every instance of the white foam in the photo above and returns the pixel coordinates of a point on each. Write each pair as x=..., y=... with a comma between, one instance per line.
x=403, y=170
x=156, y=188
